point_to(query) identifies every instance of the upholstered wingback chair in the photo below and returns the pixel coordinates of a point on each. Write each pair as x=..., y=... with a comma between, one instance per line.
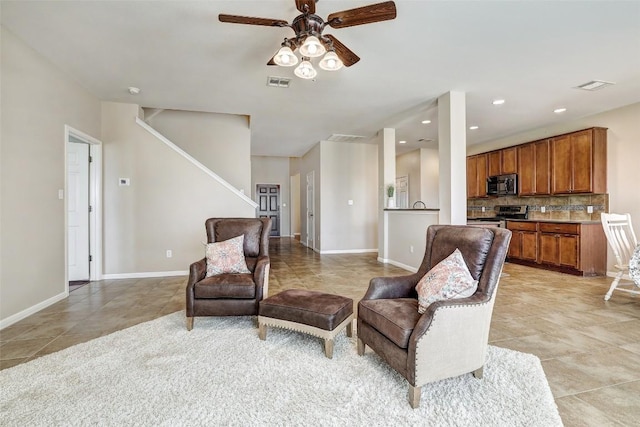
x=231, y=294
x=450, y=338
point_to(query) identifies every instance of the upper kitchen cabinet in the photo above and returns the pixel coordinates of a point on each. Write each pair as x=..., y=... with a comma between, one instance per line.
x=534, y=168
x=502, y=162
x=579, y=162
x=477, y=176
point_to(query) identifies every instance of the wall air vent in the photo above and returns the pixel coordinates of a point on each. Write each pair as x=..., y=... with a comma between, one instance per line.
x=336, y=137
x=594, y=85
x=426, y=140
x=278, y=81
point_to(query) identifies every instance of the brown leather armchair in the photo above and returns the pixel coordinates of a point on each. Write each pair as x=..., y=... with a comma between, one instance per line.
x=231, y=294
x=450, y=338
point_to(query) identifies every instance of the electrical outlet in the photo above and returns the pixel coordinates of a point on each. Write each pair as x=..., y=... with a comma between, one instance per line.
x=411, y=248
x=589, y=209
x=543, y=209
x=484, y=209
x=169, y=253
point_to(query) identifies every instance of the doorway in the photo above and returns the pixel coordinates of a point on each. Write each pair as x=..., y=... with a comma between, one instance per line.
x=78, y=210
x=83, y=208
x=269, y=205
x=311, y=222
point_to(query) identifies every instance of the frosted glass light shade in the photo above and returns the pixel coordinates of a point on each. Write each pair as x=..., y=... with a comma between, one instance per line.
x=285, y=57
x=305, y=70
x=330, y=62
x=312, y=47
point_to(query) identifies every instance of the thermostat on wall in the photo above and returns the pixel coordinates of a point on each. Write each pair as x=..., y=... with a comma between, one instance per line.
x=123, y=181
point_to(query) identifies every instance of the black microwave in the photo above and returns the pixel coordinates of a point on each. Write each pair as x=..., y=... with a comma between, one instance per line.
x=502, y=185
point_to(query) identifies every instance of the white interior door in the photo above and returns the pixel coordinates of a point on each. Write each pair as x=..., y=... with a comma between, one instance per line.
x=311, y=221
x=78, y=210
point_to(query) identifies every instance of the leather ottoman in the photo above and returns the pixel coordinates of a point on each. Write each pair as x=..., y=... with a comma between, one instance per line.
x=315, y=313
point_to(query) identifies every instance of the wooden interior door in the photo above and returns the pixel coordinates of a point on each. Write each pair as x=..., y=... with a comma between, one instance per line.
x=269, y=205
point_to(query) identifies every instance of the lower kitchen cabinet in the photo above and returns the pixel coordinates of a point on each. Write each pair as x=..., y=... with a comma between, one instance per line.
x=524, y=241
x=574, y=248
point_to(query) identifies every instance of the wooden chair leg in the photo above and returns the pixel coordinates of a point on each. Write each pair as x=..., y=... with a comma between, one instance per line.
x=614, y=284
x=361, y=347
x=478, y=372
x=262, y=331
x=414, y=396
x=328, y=348
x=189, y=323
x=350, y=329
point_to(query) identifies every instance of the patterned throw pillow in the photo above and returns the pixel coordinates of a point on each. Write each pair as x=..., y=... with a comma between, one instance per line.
x=226, y=257
x=448, y=279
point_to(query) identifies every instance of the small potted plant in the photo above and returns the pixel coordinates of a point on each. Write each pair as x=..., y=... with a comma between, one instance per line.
x=391, y=202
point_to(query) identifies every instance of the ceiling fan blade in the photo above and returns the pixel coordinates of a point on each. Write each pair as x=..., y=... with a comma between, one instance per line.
x=300, y=4
x=345, y=54
x=363, y=15
x=235, y=19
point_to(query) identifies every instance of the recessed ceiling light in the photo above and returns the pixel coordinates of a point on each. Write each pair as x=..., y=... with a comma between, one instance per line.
x=559, y=110
x=426, y=122
x=402, y=142
x=134, y=90
x=473, y=127
x=498, y=101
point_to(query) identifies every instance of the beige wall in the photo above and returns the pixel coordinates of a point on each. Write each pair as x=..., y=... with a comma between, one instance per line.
x=37, y=101
x=349, y=172
x=274, y=170
x=165, y=206
x=430, y=177
x=221, y=142
x=623, y=152
x=408, y=164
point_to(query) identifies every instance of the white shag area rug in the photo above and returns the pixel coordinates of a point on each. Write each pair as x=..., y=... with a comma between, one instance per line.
x=159, y=374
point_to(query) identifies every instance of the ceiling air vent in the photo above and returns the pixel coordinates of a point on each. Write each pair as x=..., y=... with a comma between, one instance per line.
x=594, y=85
x=278, y=81
x=336, y=137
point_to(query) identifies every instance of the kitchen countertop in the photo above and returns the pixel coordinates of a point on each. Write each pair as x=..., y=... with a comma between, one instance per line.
x=567, y=221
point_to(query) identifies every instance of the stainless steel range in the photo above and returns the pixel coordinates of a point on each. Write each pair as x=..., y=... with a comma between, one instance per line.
x=502, y=214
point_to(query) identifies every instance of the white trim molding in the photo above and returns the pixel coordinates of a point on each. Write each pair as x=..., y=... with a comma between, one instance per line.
x=196, y=163
x=33, y=309
x=145, y=274
x=349, y=251
x=398, y=264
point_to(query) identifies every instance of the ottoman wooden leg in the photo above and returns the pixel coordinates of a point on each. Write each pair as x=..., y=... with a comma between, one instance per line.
x=361, y=347
x=189, y=323
x=350, y=329
x=328, y=348
x=262, y=331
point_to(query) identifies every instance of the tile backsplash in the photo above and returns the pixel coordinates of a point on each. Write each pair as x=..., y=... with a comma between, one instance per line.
x=563, y=208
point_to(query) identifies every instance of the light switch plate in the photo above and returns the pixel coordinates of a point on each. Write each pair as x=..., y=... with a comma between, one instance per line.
x=350, y=202
x=543, y=209
x=589, y=209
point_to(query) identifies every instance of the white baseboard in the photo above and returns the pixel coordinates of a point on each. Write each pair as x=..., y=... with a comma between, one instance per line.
x=349, y=251
x=397, y=264
x=145, y=275
x=32, y=310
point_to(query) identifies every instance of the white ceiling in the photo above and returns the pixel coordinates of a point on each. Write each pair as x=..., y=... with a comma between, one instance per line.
x=531, y=53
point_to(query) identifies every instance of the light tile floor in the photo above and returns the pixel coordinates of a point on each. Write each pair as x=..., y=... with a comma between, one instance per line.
x=590, y=349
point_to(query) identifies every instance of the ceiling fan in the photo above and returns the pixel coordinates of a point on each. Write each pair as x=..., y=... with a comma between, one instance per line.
x=310, y=41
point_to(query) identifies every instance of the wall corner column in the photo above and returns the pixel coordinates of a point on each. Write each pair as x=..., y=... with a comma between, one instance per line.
x=386, y=176
x=452, y=141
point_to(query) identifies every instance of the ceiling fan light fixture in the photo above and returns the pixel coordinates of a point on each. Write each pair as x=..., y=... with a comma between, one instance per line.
x=305, y=70
x=312, y=47
x=330, y=62
x=285, y=57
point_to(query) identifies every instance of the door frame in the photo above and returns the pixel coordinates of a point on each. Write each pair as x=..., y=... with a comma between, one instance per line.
x=95, y=200
x=311, y=220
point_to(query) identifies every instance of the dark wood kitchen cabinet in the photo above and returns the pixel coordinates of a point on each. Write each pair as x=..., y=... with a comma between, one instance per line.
x=534, y=168
x=579, y=162
x=502, y=162
x=477, y=176
x=524, y=241
x=574, y=248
